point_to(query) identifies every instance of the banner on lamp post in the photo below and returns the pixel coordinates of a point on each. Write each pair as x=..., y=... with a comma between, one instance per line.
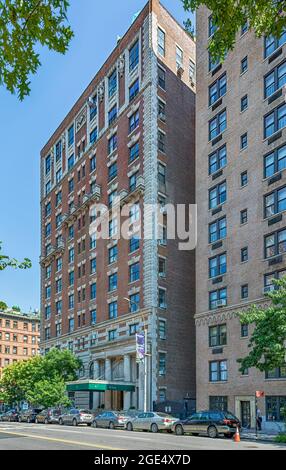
x=140, y=347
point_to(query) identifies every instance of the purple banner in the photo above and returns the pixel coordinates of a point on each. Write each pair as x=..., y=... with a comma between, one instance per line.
x=140, y=347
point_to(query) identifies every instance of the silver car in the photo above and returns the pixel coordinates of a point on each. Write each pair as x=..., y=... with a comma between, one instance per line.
x=151, y=421
x=75, y=417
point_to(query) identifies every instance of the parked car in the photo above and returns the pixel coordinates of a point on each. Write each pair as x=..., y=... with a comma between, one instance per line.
x=10, y=416
x=75, y=417
x=151, y=421
x=111, y=419
x=29, y=416
x=212, y=423
x=49, y=416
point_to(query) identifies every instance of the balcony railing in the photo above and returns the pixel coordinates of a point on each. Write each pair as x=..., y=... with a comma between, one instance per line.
x=127, y=196
x=86, y=201
x=52, y=252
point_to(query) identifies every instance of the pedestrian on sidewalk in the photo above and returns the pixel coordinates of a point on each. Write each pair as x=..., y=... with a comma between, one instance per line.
x=259, y=420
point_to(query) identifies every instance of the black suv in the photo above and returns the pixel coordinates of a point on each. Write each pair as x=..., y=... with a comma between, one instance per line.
x=29, y=416
x=212, y=423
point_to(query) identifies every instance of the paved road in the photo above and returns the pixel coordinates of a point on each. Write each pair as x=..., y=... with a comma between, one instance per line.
x=22, y=436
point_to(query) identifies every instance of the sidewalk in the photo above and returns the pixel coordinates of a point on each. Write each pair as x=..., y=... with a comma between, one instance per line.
x=261, y=435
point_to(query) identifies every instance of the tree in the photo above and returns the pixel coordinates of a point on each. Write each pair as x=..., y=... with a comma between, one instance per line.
x=3, y=306
x=23, y=26
x=16, y=308
x=6, y=261
x=264, y=17
x=40, y=380
x=268, y=341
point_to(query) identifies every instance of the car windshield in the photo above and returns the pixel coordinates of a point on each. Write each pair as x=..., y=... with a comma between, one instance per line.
x=230, y=416
x=85, y=411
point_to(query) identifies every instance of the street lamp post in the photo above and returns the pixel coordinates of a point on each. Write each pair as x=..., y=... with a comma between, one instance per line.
x=145, y=331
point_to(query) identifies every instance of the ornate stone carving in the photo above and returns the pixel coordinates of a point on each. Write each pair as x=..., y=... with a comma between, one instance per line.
x=81, y=119
x=121, y=65
x=101, y=91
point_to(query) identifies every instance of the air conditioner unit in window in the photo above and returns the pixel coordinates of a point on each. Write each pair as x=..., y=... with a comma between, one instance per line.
x=221, y=303
x=162, y=116
x=269, y=288
x=180, y=69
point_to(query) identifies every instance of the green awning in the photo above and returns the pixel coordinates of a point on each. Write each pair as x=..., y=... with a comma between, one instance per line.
x=99, y=386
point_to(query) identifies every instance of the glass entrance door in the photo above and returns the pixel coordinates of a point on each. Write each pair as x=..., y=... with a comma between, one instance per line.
x=245, y=414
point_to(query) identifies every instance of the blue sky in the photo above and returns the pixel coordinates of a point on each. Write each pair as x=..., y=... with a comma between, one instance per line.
x=25, y=128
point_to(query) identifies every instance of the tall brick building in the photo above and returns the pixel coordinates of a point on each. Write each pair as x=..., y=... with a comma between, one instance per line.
x=19, y=337
x=240, y=181
x=131, y=135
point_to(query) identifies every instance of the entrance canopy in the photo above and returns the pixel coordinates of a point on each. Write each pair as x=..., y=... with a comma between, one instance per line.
x=99, y=386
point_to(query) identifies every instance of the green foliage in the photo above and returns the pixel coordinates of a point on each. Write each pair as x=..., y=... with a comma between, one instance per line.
x=6, y=261
x=263, y=16
x=40, y=380
x=189, y=28
x=16, y=308
x=281, y=438
x=268, y=340
x=3, y=306
x=25, y=24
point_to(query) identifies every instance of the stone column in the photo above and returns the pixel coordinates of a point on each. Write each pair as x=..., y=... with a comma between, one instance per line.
x=108, y=377
x=127, y=378
x=96, y=377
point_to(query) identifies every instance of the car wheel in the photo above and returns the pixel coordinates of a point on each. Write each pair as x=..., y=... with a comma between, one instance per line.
x=179, y=430
x=154, y=428
x=212, y=432
x=94, y=424
x=111, y=425
x=61, y=422
x=129, y=427
x=74, y=422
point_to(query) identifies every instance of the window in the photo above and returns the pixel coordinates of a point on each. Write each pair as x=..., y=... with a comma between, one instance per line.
x=192, y=71
x=112, y=282
x=93, y=291
x=112, y=83
x=48, y=292
x=71, y=135
x=71, y=325
x=217, y=265
x=134, y=90
x=48, y=209
x=47, y=312
x=71, y=185
x=59, y=307
x=162, y=267
x=133, y=122
x=244, y=65
x=244, y=291
x=112, y=335
x=59, y=264
x=48, y=164
x=271, y=43
x=243, y=141
x=217, y=195
x=275, y=80
x=275, y=243
x=112, y=228
x=112, y=310
x=112, y=171
x=59, y=197
x=218, y=403
x=111, y=198
x=134, y=152
x=217, y=336
x=244, y=254
x=59, y=175
x=244, y=331
x=71, y=301
x=161, y=110
x=162, y=364
x=275, y=408
x=48, y=230
x=133, y=181
x=244, y=28
x=274, y=121
x=133, y=329
x=71, y=278
x=161, y=141
x=179, y=57
x=48, y=187
x=58, y=220
x=162, y=329
x=112, y=144
x=162, y=176
x=217, y=160
x=268, y=279
x=217, y=89
x=93, y=136
x=217, y=230
x=275, y=202
x=213, y=63
x=134, y=56
x=218, y=371
x=161, y=42
x=218, y=298
x=93, y=317
x=277, y=373
x=47, y=333
x=92, y=241
x=134, y=244
x=244, y=103
x=113, y=254
x=93, y=266
x=217, y=125
x=212, y=26
x=243, y=179
x=243, y=216
x=275, y=161
x=161, y=78
x=134, y=303
x=93, y=108
x=59, y=286
x=58, y=151
x=134, y=272
x=134, y=213
x=162, y=298
x=92, y=164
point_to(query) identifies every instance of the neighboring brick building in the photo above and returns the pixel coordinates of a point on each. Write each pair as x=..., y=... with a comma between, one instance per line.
x=241, y=161
x=19, y=337
x=130, y=134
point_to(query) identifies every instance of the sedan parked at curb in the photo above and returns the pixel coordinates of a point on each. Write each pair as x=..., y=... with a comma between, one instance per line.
x=11, y=416
x=49, y=416
x=75, y=417
x=29, y=416
x=112, y=419
x=151, y=421
x=210, y=423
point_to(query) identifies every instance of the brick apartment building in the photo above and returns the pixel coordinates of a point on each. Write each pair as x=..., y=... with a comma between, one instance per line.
x=241, y=194
x=131, y=134
x=19, y=337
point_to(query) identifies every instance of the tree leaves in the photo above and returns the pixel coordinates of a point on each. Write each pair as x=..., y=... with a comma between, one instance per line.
x=6, y=261
x=268, y=340
x=263, y=16
x=23, y=26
